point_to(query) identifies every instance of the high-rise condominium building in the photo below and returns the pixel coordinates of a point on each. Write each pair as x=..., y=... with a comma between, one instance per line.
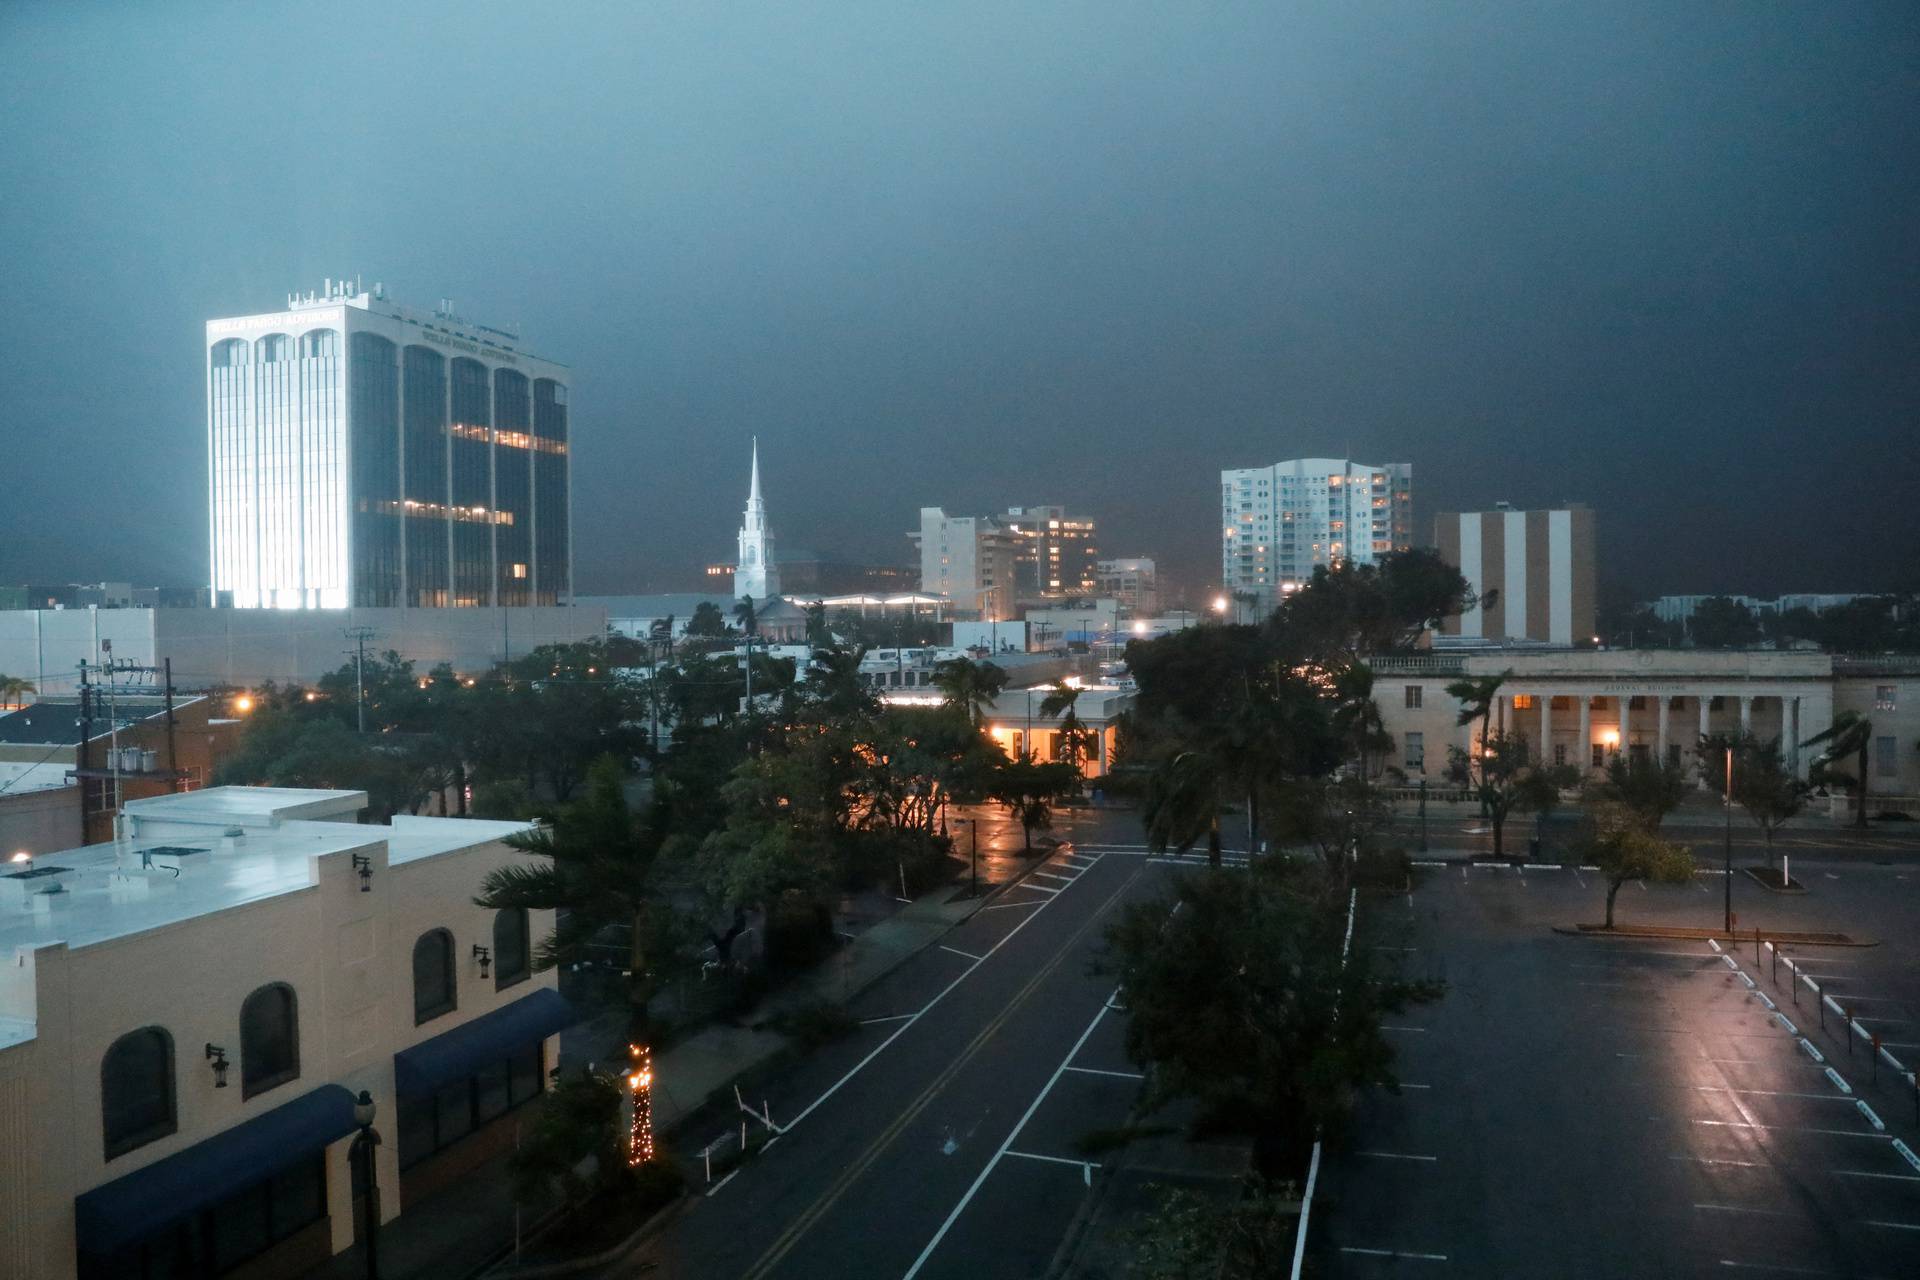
x=968, y=559
x=1057, y=553
x=364, y=454
x=1533, y=572
x=1279, y=523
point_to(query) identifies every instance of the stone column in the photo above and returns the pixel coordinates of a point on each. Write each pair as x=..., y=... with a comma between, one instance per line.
x=1546, y=727
x=1625, y=702
x=1584, y=752
x=1791, y=713
x=1662, y=747
x=1706, y=712
x=1746, y=714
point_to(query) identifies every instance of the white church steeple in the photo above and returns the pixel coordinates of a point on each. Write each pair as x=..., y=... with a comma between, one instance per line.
x=754, y=573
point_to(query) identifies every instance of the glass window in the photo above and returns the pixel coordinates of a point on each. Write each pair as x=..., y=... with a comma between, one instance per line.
x=490, y=1095
x=1414, y=693
x=416, y=1130
x=273, y=348
x=1416, y=744
x=320, y=342
x=523, y=1075
x=269, y=1039
x=1884, y=697
x=136, y=1090
x=433, y=987
x=511, y=961
x=233, y=351
x=453, y=1111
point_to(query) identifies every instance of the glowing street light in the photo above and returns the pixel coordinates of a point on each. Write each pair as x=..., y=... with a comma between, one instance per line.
x=243, y=704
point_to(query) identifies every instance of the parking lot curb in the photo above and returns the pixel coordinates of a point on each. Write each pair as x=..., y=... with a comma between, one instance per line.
x=1793, y=937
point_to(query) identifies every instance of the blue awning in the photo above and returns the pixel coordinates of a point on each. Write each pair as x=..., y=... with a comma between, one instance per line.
x=472, y=1045
x=134, y=1207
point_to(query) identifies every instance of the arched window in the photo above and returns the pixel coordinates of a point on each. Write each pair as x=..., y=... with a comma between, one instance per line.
x=320, y=342
x=433, y=990
x=512, y=960
x=136, y=1090
x=269, y=1039
x=234, y=351
x=273, y=348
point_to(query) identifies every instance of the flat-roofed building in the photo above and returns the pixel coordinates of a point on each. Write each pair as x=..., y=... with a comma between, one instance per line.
x=188, y=1014
x=1533, y=571
x=1280, y=523
x=364, y=454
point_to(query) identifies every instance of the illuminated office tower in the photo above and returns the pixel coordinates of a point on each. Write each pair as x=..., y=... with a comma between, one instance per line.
x=364, y=454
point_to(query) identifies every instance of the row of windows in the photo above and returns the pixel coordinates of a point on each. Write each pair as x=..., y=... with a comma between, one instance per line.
x=274, y=347
x=138, y=1102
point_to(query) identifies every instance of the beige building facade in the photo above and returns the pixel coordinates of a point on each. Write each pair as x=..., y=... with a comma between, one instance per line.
x=1583, y=707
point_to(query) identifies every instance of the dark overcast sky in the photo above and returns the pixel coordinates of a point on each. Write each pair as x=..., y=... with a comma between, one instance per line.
x=1659, y=257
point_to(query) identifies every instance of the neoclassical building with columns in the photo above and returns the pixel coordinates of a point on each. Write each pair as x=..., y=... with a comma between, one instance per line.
x=1580, y=707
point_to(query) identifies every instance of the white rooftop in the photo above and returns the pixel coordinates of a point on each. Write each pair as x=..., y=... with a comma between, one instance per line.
x=177, y=861
x=18, y=778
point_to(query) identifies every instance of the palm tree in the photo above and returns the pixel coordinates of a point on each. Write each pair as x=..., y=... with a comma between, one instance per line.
x=1356, y=716
x=1476, y=695
x=969, y=686
x=597, y=871
x=13, y=690
x=1850, y=734
x=1074, y=735
x=1184, y=798
x=833, y=682
x=743, y=613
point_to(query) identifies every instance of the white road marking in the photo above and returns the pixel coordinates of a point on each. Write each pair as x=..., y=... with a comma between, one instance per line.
x=958, y=952
x=1096, y=1071
x=1743, y=1164
x=1384, y=1027
x=1032, y=1107
x=1397, y=1155
x=1862, y=1173
x=723, y=1182
x=1028, y=884
x=1063, y=879
x=907, y=1023
x=1738, y=1208
x=1003, y=906
x=1086, y=1166
x=1393, y=1253
x=1788, y=1128
x=1897, y=1226
x=892, y=1017
x=1770, y=1093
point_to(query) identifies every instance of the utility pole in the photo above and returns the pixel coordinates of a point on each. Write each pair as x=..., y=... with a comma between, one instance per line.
x=1728, y=827
x=82, y=756
x=173, y=756
x=360, y=636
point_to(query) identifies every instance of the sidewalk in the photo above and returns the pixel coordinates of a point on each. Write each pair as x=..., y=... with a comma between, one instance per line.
x=469, y=1224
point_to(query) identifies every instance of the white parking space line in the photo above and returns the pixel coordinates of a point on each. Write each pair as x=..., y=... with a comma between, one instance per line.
x=1062, y=879
x=892, y=1017
x=1393, y=1253
x=1028, y=884
x=1397, y=1155
x=958, y=952
x=1086, y=1167
x=1384, y=1027
x=1007, y=1145
x=1096, y=1071
x=1862, y=1173
x=1897, y=1226
x=1772, y=1093
x=1739, y=1208
x=1007, y=906
x=1788, y=1128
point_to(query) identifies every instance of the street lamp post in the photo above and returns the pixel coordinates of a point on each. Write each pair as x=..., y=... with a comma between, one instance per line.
x=1423, y=815
x=363, y=1147
x=1728, y=829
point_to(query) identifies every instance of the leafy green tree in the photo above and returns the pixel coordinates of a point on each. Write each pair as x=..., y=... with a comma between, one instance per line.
x=969, y=686
x=1347, y=612
x=573, y=1149
x=1186, y=794
x=1239, y=999
x=1763, y=785
x=706, y=620
x=1342, y=819
x=819, y=636
x=287, y=749
x=1721, y=622
x=1620, y=844
x=1645, y=789
x=1029, y=789
x=1509, y=781
x=598, y=874
x=1850, y=734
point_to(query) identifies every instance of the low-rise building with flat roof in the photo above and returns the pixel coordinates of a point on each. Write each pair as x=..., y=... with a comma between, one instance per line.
x=188, y=1014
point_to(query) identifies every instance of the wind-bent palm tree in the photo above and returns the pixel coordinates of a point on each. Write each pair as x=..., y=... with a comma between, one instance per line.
x=743, y=613
x=833, y=681
x=1184, y=798
x=1356, y=716
x=1074, y=735
x=969, y=686
x=13, y=689
x=1850, y=734
x=1476, y=695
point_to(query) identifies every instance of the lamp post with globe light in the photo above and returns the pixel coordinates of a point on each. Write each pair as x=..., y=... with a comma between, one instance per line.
x=363, y=1148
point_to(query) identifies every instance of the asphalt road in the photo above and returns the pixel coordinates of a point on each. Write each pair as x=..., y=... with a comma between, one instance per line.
x=939, y=1140
x=1880, y=841
x=1589, y=1107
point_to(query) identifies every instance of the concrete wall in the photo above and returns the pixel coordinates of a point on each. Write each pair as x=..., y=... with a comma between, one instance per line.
x=42, y=821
